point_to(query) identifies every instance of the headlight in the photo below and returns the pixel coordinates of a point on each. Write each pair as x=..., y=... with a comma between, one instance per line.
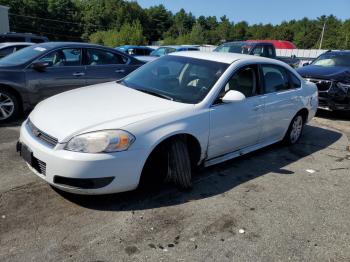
x=101, y=141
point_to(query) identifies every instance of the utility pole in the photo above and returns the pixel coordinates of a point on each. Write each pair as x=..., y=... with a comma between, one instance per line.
x=324, y=26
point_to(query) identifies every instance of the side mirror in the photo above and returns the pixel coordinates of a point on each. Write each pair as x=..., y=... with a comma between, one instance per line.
x=307, y=63
x=233, y=96
x=40, y=66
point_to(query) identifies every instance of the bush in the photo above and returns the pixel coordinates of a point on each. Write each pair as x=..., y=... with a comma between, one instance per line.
x=129, y=34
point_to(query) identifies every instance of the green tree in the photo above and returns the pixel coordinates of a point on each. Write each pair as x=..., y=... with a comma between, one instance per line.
x=129, y=34
x=158, y=21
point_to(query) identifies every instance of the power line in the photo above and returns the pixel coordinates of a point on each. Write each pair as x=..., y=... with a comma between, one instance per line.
x=55, y=20
x=46, y=33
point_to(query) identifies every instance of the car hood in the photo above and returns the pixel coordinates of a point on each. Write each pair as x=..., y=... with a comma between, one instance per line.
x=98, y=107
x=337, y=73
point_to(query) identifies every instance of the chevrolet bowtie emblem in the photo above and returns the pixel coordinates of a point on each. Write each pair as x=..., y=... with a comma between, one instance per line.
x=36, y=132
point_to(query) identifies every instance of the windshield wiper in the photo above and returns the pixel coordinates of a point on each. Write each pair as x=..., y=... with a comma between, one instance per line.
x=150, y=92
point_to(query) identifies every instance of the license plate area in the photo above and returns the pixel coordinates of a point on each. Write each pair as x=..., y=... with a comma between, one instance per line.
x=26, y=154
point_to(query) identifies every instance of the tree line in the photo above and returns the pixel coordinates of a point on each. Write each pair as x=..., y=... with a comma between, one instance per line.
x=118, y=22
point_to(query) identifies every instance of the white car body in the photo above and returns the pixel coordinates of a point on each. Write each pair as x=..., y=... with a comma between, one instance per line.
x=223, y=131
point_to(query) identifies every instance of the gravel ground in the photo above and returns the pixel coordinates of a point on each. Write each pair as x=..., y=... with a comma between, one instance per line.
x=277, y=204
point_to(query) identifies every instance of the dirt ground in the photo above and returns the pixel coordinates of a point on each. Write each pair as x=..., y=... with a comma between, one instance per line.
x=276, y=204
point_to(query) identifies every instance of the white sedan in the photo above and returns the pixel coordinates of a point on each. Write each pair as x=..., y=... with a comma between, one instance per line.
x=162, y=120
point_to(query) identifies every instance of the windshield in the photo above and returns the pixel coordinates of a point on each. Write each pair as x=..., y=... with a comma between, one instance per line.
x=182, y=79
x=22, y=56
x=239, y=48
x=333, y=59
x=163, y=51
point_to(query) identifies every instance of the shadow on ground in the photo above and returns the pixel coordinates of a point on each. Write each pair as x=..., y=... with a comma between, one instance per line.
x=333, y=115
x=217, y=179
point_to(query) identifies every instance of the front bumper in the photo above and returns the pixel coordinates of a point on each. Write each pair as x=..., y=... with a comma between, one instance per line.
x=330, y=103
x=84, y=173
x=334, y=98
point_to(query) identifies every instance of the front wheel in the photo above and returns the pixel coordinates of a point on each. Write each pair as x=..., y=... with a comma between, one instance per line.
x=295, y=130
x=9, y=107
x=179, y=165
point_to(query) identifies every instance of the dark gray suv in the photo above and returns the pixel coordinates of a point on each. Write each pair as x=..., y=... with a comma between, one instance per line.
x=40, y=71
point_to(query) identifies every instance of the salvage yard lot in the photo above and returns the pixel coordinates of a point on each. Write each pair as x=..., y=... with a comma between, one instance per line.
x=291, y=202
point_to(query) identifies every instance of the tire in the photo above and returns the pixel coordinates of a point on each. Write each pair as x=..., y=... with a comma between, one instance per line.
x=179, y=165
x=9, y=106
x=295, y=130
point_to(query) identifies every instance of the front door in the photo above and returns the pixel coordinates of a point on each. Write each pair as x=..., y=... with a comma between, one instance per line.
x=64, y=72
x=237, y=125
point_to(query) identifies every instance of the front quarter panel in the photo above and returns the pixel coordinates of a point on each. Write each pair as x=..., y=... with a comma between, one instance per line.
x=152, y=132
x=15, y=79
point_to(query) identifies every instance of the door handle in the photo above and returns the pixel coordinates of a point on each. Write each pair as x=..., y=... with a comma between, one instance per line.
x=79, y=74
x=120, y=71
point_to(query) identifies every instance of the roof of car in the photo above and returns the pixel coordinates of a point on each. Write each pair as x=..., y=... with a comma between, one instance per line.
x=178, y=46
x=133, y=46
x=227, y=58
x=338, y=51
x=15, y=43
x=77, y=44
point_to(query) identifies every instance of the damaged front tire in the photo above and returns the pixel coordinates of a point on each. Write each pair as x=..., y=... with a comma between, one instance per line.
x=179, y=165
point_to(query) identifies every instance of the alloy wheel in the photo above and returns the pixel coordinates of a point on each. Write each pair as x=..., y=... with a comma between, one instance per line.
x=296, y=129
x=7, y=106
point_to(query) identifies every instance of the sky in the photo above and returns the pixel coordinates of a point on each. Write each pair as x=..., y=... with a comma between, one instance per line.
x=258, y=11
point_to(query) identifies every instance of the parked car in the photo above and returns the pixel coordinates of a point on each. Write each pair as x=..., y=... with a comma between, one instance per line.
x=264, y=49
x=164, y=50
x=37, y=72
x=278, y=44
x=135, y=50
x=331, y=73
x=182, y=110
x=22, y=37
x=9, y=48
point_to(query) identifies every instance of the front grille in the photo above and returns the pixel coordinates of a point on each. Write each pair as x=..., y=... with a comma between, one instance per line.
x=322, y=85
x=52, y=141
x=39, y=166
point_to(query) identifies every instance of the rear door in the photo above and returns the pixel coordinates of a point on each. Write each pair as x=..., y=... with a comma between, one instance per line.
x=104, y=66
x=64, y=72
x=281, y=100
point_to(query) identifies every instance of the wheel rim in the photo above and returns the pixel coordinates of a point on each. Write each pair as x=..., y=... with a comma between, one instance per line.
x=7, y=106
x=296, y=129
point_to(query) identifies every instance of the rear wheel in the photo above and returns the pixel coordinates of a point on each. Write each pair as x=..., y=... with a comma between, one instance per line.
x=9, y=107
x=295, y=130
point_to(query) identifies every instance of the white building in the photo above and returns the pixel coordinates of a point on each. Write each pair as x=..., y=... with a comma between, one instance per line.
x=4, y=19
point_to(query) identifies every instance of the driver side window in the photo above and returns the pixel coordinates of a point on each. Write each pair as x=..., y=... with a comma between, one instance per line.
x=245, y=80
x=63, y=57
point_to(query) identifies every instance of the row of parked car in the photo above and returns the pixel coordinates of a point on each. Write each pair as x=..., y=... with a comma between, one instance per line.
x=38, y=71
